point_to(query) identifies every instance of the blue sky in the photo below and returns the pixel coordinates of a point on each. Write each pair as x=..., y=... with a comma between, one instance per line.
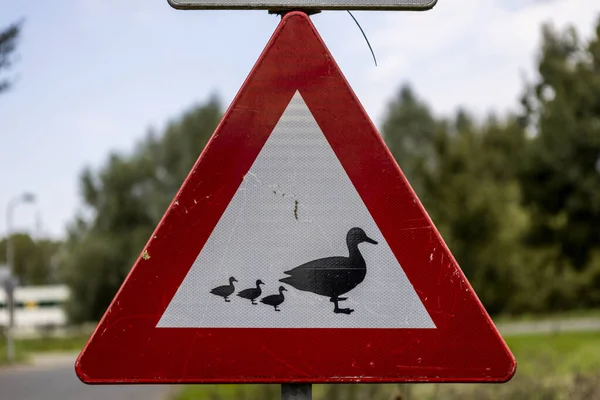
x=94, y=75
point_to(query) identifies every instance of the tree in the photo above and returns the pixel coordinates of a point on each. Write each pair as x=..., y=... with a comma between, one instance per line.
x=465, y=174
x=8, y=44
x=125, y=199
x=561, y=177
x=410, y=130
x=474, y=198
x=521, y=213
x=34, y=262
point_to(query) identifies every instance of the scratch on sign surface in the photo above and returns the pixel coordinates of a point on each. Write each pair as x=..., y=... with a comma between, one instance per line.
x=296, y=209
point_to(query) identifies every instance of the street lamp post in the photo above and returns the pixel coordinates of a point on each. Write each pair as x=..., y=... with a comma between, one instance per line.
x=10, y=283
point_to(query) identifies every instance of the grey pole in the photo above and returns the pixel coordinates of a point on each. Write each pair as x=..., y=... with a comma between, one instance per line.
x=10, y=346
x=296, y=391
x=10, y=303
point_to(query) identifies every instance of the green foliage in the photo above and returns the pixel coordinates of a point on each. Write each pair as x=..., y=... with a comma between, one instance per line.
x=51, y=344
x=556, y=354
x=8, y=44
x=125, y=199
x=411, y=131
x=517, y=199
x=222, y=392
x=34, y=260
x=24, y=348
x=561, y=176
x=464, y=173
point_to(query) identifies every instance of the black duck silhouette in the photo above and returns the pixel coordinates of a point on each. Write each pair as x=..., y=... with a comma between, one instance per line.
x=226, y=290
x=333, y=276
x=252, y=293
x=275, y=299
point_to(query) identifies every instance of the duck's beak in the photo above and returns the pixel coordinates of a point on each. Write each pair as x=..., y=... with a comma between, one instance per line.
x=369, y=240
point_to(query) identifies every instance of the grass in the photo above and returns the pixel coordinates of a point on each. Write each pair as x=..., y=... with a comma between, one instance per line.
x=218, y=392
x=556, y=354
x=548, y=364
x=25, y=347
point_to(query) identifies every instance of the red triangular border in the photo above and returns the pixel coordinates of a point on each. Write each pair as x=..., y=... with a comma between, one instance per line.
x=127, y=347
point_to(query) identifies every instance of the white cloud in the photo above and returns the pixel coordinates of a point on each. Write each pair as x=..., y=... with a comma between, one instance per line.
x=470, y=53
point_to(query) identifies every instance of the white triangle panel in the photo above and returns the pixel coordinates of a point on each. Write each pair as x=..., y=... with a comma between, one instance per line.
x=295, y=205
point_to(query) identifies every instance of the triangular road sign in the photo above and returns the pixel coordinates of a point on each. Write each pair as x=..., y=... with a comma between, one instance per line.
x=296, y=189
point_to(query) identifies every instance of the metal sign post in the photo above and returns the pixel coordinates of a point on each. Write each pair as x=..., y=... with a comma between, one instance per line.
x=8, y=282
x=296, y=391
x=10, y=303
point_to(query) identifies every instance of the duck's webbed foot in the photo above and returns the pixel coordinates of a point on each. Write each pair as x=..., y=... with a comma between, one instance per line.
x=227, y=300
x=337, y=309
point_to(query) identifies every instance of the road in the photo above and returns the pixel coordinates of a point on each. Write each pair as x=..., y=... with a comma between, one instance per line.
x=53, y=378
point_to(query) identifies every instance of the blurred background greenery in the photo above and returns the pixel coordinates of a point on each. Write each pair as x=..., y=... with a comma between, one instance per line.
x=516, y=198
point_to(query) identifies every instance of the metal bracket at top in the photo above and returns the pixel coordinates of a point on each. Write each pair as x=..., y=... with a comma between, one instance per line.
x=313, y=5
x=281, y=13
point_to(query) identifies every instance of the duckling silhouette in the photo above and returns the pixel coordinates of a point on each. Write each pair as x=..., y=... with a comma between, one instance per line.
x=333, y=276
x=226, y=290
x=252, y=293
x=275, y=299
